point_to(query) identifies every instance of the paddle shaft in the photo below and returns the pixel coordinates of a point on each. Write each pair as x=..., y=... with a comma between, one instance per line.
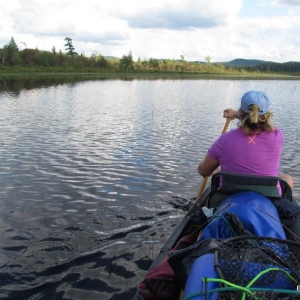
x=202, y=187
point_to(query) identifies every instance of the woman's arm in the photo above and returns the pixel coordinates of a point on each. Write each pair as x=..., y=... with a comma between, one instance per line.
x=207, y=166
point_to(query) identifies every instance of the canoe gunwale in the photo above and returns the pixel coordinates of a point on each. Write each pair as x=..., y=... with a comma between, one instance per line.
x=172, y=240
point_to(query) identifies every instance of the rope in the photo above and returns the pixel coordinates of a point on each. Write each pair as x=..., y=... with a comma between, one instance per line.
x=264, y=272
x=247, y=289
x=295, y=235
x=232, y=289
x=226, y=221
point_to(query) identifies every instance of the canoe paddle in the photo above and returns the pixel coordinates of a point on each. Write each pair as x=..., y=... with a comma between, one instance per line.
x=200, y=192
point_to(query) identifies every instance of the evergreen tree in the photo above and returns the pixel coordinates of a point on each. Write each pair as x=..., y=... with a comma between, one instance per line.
x=11, y=55
x=12, y=45
x=69, y=47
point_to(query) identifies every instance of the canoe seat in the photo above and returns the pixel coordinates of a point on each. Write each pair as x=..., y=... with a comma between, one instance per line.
x=224, y=184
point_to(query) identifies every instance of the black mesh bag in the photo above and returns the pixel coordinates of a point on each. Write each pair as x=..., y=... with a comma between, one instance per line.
x=255, y=268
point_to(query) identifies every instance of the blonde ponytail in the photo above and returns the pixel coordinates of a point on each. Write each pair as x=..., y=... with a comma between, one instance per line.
x=253, y=123
x=253, y=114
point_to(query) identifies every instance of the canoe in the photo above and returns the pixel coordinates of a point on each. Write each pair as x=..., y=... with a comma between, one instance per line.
x=232, y=244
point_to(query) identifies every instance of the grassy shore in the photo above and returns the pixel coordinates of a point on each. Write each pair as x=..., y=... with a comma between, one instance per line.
x=10, y=73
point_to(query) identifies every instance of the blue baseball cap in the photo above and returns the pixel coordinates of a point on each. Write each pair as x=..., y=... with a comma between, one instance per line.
x=261, y=99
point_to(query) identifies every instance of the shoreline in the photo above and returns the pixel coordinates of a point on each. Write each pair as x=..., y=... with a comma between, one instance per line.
x=154, y=75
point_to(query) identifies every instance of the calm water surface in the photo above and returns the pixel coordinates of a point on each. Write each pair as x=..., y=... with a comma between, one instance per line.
x=94, y=176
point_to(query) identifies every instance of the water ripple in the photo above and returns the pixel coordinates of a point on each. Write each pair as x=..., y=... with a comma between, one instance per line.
x=95, y=175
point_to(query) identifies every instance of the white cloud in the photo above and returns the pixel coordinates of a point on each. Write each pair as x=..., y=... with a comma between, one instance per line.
x=156, y=28
x=66, y=18
x=274, y=39
x=176, y=14
x=53, y=17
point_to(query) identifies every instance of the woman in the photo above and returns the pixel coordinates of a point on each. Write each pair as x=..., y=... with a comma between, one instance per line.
x=254, y=147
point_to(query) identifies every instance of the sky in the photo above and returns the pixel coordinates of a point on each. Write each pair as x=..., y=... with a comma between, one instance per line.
x=163, y=29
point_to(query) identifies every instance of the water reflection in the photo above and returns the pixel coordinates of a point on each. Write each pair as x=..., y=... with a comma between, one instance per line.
x=95, y=175
x=16, y=83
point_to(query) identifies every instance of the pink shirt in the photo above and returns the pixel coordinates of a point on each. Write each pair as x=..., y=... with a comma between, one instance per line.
x=257, y=154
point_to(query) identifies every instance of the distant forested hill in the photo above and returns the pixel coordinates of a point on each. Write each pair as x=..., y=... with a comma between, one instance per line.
x=240, y=62
x=291, y=67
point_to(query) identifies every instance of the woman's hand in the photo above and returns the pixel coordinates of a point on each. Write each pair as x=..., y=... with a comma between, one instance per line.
x=230, y=113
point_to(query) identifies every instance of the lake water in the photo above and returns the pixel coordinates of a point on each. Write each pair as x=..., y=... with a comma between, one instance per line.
x=95, y=174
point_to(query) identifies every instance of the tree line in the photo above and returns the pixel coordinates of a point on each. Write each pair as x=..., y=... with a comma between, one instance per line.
x=14, y=58
x=287, y=67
